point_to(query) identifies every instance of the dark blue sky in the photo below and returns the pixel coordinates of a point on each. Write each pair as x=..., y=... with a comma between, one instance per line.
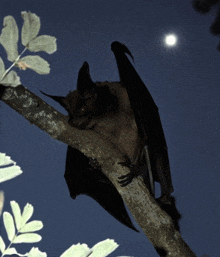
x=184, y=82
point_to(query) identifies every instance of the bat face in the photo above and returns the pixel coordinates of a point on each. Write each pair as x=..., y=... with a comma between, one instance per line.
x=91, y=101
x=91, y=105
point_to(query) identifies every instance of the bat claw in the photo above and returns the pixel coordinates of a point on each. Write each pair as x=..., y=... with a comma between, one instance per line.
x=122, y=177
x=126, y=179
x=125, y=182
x=135, y=171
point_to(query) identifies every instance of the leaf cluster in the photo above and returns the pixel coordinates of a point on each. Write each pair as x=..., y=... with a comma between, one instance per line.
x=31, y=41
x=17, y=228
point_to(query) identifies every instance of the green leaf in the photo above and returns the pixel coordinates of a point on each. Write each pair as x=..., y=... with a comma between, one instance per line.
x=30, y=28
x=17, y=213
x=27, y=238
x=35, y=63
x=2, y=245
x=5, y=159
x=11, y=79
x=9, y=38
x=32, y=226
x=104, y=248
x=9, y=225
x=27, y=213
x=10, y=251
x=9, y=172
x=2, y=68
x=79, y=250
x=36, y=252
x=43, y=43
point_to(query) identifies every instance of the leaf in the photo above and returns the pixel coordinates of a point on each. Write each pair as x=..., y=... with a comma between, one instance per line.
x=36, y=252
x=36, y=63
x=2, y=245
x=43, y=43
x=9, y=225
x=2, y=68
x=79, y=250
x=9, y=38
x=104, y=248
x=9, y=172
x=30, y=28
x=10, y=251
x=27, y=213
x=5, y=159
x=11, y=79
x=32, y=226
x=27, y=238
x=17, y=213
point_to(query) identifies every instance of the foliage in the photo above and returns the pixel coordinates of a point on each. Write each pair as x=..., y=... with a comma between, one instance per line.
x=8, y=168
x=30, y=40
x=19, y=231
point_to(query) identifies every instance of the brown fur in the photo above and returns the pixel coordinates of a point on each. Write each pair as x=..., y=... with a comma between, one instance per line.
x=118, y=126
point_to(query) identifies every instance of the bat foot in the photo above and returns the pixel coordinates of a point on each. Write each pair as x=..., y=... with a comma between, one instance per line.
x=135, y=171
x=168, y=204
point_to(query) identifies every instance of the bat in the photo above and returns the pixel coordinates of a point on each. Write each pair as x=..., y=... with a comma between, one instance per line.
x=125, y=114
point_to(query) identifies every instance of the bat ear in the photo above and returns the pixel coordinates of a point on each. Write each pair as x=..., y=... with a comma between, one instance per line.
x=59, y=99
x=119, y=48
x=84, y=82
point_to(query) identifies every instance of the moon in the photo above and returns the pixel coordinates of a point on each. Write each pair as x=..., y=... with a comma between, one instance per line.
x=170, y=40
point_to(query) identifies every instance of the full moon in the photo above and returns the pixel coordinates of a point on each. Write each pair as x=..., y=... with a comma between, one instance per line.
x=170, y=40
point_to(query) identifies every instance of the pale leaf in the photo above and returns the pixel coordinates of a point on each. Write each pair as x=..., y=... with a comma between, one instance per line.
x=9, y=225
x=36, y=63
x=27, y=213
x=9, y=38
x=11, y=79
x=79, y=250
x=2, y=245
x=35, y=252
x=2, y=68
x=5, y=159
x=17, y=213
x=9, y=172
x=27, y=238
x=103, y=248
x=32, y=226
x=30, y=28
x=10, y=251
x=43, y=43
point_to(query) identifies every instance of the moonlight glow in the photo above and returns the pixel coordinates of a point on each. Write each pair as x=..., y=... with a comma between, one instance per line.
x=170, y=40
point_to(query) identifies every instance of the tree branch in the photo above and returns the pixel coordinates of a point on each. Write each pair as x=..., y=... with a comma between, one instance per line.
x=154, y=222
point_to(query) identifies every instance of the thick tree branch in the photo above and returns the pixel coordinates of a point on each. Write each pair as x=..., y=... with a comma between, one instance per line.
x=154, y=222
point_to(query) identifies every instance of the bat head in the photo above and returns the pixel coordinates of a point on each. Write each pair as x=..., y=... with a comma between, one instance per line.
x=90, y=101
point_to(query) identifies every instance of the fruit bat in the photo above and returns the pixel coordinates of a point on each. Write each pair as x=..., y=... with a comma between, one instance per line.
x=125, y=114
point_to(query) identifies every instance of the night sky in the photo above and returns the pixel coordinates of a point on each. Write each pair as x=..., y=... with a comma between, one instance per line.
x=184, y=82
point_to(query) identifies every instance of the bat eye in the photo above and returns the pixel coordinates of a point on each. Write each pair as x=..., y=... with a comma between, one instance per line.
x=83, y=109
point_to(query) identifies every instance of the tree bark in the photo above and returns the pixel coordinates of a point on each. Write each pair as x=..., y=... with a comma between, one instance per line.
x=154, y=222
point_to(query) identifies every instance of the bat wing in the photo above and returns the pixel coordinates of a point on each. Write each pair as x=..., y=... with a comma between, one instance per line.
x=82, y=178
x=146, y=115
